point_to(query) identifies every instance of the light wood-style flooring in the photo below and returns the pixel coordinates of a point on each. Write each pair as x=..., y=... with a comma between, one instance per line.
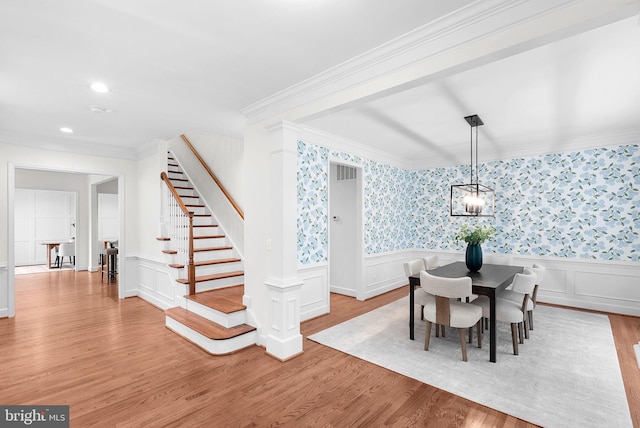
x=113, y=361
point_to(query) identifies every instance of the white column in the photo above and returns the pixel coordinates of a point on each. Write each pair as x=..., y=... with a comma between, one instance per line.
x=284, y=339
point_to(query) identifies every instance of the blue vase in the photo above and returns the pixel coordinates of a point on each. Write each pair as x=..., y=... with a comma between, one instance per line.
x=473, y=257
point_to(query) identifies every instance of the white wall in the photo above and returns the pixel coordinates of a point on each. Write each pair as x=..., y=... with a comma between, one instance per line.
x=42, y=216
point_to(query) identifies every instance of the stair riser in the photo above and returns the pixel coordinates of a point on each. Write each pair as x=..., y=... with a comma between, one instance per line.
x=197, y=210
x=218, y=283
x=226, y=320
x=216, y=347
x=207, y=231
x=202, y=221
x=220, y=268
x=175, y=175
x=209, y=242
x=202, y=256
x=190, y=199
x=186, y=192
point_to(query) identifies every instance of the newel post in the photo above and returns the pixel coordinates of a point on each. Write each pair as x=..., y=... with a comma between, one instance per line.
x=191, y=268
x=284, y=340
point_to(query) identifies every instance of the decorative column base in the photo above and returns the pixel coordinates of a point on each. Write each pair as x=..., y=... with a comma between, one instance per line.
x=284, y=340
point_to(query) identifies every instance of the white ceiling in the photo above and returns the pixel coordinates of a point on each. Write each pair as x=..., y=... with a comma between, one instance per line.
x=175, y=67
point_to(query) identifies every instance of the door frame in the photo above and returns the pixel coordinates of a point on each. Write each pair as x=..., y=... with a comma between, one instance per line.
x=11, y=184
x=359, y=246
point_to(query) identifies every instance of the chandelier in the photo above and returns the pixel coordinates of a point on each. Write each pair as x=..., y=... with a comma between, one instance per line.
x=472, y=199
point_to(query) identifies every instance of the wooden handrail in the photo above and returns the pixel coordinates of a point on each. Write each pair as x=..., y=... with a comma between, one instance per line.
x=165, y=178
x=213, y=176
x=191, y=267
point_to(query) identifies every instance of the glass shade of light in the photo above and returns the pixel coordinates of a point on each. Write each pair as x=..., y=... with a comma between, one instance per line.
x=472, y=200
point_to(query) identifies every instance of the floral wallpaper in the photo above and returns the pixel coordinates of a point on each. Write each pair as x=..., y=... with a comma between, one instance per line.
x=583, y=204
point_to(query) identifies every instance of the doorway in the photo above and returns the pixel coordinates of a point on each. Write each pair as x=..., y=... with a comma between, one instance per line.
x=61, y=179
x=345, y=229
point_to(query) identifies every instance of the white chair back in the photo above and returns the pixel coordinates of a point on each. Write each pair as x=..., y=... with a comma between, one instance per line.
x=540, y=271
x=413, y=267
x=430, y=262
x=497, y=259
x=524, y=283
x=67, y=249
x=452, y=288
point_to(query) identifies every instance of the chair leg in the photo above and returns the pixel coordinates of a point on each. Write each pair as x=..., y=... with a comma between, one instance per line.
x=479, y=329
x=427, y=336
x=442, y=330
x=421, y=312
x=520, y=331
x=463, y=344
x=471, y=334
x=526, y=326
x=530, y=315
x=514, y=338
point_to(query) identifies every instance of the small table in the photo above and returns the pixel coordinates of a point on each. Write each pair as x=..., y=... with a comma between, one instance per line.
x=489, y=281
x=50, y=246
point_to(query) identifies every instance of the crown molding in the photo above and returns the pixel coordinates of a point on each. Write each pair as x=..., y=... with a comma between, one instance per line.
x=476, y=21
x=345, y=145
x=83, y=147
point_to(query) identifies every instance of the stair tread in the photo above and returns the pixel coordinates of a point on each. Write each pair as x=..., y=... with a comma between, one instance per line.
x=216, y=262
x=163, y=238
x=212, y=277
x=207, y=263
x=207, y=327
x=226, y=300
x=228, y=247
x=205, y=225
x=208, y=236
x=170, y=251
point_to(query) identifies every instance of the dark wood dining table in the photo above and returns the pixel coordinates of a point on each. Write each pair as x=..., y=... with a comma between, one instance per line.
x=489, y=281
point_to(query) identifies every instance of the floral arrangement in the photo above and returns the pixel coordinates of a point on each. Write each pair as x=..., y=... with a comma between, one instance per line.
x=476, y=236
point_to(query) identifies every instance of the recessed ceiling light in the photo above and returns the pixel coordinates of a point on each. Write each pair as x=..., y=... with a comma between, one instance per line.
x=99, y=87
x=66, y=130
x=97, y=109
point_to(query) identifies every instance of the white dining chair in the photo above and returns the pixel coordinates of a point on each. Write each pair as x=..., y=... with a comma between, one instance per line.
x=411, y=268
x=446, y=310
x=67, y=249
x=510, y=311
x=516, y=295
x=497, y=259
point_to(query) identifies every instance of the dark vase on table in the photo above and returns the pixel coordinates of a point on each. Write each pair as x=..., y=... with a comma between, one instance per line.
x=473, y=257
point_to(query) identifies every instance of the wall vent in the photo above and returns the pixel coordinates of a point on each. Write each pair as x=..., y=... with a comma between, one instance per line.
x=346, y=173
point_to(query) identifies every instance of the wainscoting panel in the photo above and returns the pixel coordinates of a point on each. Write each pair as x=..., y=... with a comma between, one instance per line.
x=606, y=286
x=154, y=283
x=314, y=296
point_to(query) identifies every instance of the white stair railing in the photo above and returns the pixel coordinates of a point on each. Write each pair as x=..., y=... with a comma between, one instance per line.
x=181, y=231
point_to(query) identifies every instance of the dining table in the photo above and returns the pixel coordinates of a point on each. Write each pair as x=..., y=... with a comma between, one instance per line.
x=489, y=281
x=50, y=247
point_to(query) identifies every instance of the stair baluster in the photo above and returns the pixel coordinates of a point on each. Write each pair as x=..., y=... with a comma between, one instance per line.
x=181, y=225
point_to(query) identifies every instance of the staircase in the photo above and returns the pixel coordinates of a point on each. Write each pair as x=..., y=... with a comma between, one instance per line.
x=212, y=314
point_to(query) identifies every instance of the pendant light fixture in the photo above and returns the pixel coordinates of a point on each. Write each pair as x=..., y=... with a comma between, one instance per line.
x=472, y=199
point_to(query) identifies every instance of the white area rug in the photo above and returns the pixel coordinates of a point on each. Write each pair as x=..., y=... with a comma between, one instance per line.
x=567, y=373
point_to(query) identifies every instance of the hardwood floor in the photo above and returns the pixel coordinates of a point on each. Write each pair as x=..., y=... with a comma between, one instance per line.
x=113, y=361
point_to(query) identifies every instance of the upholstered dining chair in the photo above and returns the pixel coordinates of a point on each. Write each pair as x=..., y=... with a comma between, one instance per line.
x=421, y=298
x=510, y=311
x=497, y=259
x=431, y=262
x=67, y=249
x=516, y=295
x=447, y=310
